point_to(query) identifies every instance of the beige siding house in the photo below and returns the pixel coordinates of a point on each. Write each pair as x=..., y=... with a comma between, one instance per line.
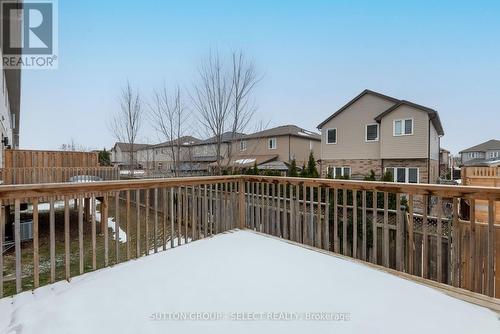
x=275, y=148
x=381, y=133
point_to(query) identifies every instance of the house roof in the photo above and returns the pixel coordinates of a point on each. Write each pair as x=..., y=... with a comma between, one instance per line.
x=285, y=130
x=245, y=161
x=226, y=137
x=274, y=165
x=184, y=140
x=480, y=162
x=125, y=147
x=433, y=114
x=492, y=144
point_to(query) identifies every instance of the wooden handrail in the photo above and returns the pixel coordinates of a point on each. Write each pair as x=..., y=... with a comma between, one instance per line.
x=446, y=191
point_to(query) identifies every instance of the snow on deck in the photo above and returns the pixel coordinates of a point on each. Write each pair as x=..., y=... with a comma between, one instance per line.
x=239, y=281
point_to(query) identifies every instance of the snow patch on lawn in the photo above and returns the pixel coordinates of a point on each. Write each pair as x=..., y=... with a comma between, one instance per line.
x=122, y=235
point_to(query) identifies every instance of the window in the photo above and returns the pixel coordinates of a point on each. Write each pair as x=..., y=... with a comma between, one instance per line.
x=404, y=174
x=494, y=154
x=272, y=143
x=243, y=145
x=371, y=133
x=337, y=172
x=331, y=136
x=403, y=127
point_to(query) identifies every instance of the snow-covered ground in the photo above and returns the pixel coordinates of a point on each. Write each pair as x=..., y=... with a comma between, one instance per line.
x=241, y=283
x=122, y=235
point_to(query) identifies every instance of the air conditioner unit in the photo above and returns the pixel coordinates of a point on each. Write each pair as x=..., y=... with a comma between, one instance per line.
x=26, y=229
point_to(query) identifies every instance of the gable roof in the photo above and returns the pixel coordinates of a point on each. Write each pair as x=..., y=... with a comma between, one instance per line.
x=125, y=147
x=226, y=137
x=184, y=140
x=433, y=114
x=285, y=130
x=492, y=144
x=348, y=104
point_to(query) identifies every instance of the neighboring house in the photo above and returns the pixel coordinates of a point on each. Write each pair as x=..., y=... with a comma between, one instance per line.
x=161, y=156
x=121, y=156
x=10, y=92
x=381, y=133
x=484, y=154
x=274, y=149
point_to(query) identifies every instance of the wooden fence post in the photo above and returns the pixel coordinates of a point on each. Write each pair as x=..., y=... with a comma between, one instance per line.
x=241, y=206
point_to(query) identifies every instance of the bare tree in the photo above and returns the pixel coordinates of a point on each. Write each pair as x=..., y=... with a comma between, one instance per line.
x=170, y=118
x=223, y=101
x=126, y=122
x=72, y=145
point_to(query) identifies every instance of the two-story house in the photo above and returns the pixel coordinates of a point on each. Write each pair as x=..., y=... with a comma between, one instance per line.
x=122, y=154
x=377, y=132
x=482, y=154
x=274, y=148
x=162, y=156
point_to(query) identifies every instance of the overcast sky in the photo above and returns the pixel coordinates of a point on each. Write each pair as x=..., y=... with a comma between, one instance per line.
x=314, y=56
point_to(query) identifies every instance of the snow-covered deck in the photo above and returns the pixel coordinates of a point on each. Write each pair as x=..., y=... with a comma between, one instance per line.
x=241, y=280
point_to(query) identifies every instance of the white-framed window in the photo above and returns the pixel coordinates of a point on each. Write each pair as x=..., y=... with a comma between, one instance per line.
x=404, y=174
x=371, y=132
x=494, y=154
x=331, y=136
x=335, y=172
x=271, y=144
x=243, y=145
x=403, y=127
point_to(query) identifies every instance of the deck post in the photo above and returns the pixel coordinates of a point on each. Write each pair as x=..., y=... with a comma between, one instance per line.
x=241, y=206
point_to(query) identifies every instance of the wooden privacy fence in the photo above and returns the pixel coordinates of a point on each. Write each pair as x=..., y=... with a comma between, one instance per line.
x=38, y=158
x=33, y=175
x=375, y=222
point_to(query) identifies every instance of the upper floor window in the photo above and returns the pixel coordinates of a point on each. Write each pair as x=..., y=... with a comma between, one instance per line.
x=371, y=133
x=243, y=145
x=272, y=143
x=331, y=136
x=403, y=127
x=494, y=154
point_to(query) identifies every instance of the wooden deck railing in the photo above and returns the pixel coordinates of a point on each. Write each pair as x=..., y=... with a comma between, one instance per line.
x=32, y=175
x=415, y=229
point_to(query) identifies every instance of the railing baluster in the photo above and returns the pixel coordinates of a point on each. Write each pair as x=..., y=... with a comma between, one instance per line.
x=127, y=224
x=80, y=234
x=146, y=222
x=17, y=240
x=278, y=210
x=439, y=231
x=456, y=249
x=52, y=242
x=172, y=217
x=67, y=240
x=411, y=245
x=318, y=220
x=425, y=241
x=375, y=227
x=286, y=231
x=490, y=282
x=385, y=253
x=205, y=212
x=185, y=209
x=165, y=217
x=138, y=223
x=36, y=246
x=104, y=224
x=155, y=227
x=336, y=241
x=355, y=224
x=94, y=232
x=345, y=221
x=399, y=234
x=363, y=222
x=193, y=213
x=210, y=209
